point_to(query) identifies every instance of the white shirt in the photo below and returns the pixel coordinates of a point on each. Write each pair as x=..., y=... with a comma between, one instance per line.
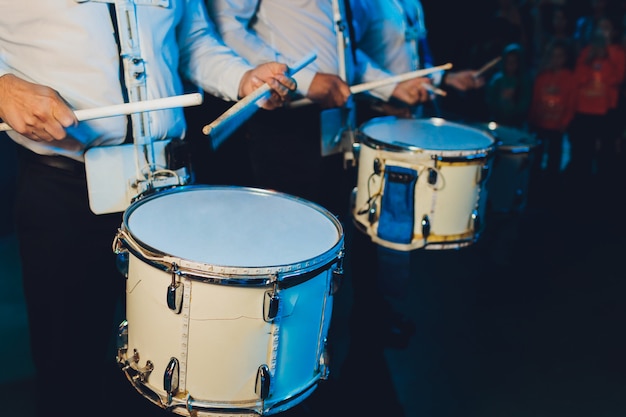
x=389, y=32
x=71, y=47
x=286, y=31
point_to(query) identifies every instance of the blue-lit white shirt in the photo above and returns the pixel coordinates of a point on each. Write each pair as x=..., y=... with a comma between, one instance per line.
x=70, y=46
x=286, y=31
x=393, y=34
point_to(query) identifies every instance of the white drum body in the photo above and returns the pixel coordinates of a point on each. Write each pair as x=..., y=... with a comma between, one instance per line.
x=229, y=299
x=420, y=181
x=509, y=182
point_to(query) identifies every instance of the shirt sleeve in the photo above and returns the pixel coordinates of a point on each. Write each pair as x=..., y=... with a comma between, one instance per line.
x=205, y=59
x=233, y=19
x=368, y=72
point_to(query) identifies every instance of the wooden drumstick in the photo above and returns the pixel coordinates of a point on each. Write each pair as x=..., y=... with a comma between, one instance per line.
x=222, y=127
x=435, y=90
x=359, y=88
x=487, y=67
x=184, y=100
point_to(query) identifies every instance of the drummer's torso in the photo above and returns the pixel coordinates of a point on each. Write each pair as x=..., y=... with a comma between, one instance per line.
x=71, y=47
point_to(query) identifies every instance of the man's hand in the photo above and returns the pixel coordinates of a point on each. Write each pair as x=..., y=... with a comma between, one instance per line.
x=33, y=110
x=464, y=80
x=412, y=91
x=328, y=91
x=272, y=73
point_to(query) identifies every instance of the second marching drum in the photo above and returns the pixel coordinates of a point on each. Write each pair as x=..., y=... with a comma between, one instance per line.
x=420, y=182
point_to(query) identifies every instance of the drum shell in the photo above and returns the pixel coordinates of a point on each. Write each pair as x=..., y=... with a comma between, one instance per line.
x=509, y=184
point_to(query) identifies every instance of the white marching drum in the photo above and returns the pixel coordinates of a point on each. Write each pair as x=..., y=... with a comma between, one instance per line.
x=509, y=182
x=229, y=299
x=420, y=181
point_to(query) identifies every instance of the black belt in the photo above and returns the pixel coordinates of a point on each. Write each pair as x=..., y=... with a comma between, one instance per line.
x=54, y=161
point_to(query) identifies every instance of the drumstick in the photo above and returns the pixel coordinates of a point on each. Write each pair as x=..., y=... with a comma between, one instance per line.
x=184, y=100
x=359, y=88
x=487, y=67
x=435, y=90
x=245, y=108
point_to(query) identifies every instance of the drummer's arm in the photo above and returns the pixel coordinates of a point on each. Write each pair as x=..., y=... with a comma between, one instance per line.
x=33, y=110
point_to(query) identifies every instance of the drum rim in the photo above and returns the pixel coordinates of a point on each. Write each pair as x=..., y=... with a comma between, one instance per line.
x=378, y=144
x=228, y=274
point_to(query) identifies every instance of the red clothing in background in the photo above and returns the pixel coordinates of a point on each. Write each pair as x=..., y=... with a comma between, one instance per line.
x=599, y=81
x=554, y=100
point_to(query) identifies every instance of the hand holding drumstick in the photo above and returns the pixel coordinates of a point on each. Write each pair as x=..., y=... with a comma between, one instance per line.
x=465, y=80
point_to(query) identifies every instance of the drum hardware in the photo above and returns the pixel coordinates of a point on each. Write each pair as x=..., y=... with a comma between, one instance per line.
x=271, y=304
x=131, y=367
x=372, y=213
x=356, y=147
x=175, y=292
x=142, y=373
x=121, y=262
x=377, y=168
x=432, y=176
x=157, y=180
x=263, y=378
x=170, y=379
x=476, y=222
x=337, y=274
x=425, y=226
x=324, y=364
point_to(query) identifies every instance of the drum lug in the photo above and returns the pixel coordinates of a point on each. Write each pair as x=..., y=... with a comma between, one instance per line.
x=325, y=361
x=121, y=262
x=425, y=226
x=262, y=387
x=270, y=306
x=122, y=341
x=476, y=221
x=337, y=275
x=432, y=176
x=175, y=290
x=372, y=215
x=377, y=166
x=170, y=378
x=356, y=150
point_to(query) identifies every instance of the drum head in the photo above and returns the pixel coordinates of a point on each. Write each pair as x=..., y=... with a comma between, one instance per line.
x=509, y=138
x=232, y=226
x=433, y=134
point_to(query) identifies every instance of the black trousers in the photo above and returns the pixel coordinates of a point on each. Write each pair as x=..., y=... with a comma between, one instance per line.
x=73, y=291
x=284, y=147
